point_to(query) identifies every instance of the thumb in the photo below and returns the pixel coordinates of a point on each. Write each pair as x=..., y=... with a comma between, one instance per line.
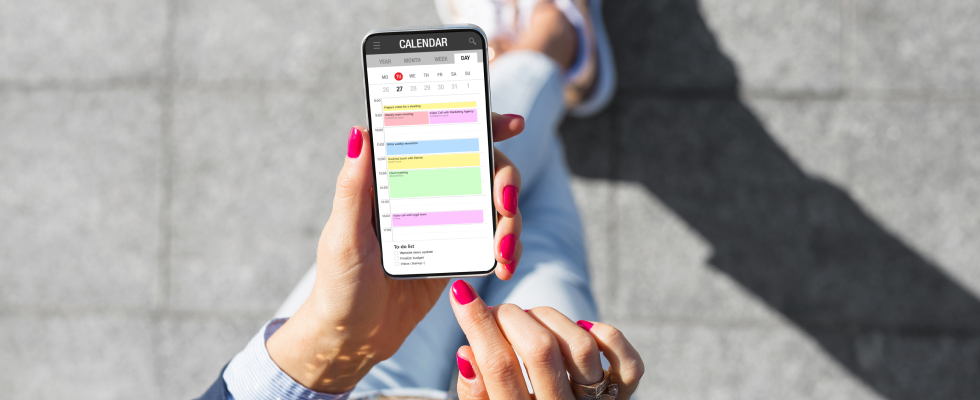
x=469, y=384
x=353, y=202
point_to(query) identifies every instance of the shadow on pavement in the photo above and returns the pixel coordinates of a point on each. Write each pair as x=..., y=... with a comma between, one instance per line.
x=802, y=245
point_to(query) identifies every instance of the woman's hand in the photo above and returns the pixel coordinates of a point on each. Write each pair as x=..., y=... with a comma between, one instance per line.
x=356, y=316
x=549, y=344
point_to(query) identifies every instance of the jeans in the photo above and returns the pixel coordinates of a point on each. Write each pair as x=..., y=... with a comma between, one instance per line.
x=552, y=271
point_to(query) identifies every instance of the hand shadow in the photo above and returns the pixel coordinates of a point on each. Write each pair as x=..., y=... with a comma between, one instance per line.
x=802, y=245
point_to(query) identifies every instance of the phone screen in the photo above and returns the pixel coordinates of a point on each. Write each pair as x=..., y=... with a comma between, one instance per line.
x=429, y=122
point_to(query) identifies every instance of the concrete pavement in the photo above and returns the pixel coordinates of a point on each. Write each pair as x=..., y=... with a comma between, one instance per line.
x=780, y=203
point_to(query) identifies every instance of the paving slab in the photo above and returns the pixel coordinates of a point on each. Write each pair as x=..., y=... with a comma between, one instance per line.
x=101, y=40
x=299, y=42
x=663, y=269
x=908, y=364
x=77, y=356
x=80, y=203
x=917, y=47
x=800, y=244
x=803, y=245
x=192, y=350
x=786, y=243
x=665, y=46
x=781, y=46
x=693, y=361
x=594, y=199
x=911, y=165
x=253, y=184
x=597, y=160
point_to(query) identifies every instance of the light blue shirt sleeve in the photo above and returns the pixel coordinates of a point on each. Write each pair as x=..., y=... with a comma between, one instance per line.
x=252, y=375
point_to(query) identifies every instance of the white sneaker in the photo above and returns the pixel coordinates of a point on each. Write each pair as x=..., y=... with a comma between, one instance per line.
x=496, y=17
x=591, y=80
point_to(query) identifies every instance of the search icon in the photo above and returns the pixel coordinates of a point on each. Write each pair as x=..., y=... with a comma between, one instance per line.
x=472, y=40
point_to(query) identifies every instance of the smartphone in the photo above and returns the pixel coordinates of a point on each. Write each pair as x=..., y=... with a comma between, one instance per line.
x=428, y=103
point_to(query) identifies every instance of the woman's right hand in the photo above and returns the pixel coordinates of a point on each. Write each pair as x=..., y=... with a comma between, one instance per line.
x=356, y=316
x=549, y=345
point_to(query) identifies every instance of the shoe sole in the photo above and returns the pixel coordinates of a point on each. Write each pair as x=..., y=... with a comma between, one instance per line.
x=605, y=83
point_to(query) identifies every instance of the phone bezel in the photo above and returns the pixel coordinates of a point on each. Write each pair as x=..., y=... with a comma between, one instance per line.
x=367, y=98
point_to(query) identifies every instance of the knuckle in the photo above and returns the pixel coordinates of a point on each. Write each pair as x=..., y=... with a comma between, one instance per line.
x=335, y=247
x=348, y=184
x=584, y=349
x=541, y=349
x=499, y=364
x=632, y=370
x=509, y=307
x=631, y=366
x=345, y=183
x=480, y=320
x=550, y=313
x=462, y=390
x=517, y=175
x=466, y=390
x=547, y=310
x=639, y=368
x=615, y=335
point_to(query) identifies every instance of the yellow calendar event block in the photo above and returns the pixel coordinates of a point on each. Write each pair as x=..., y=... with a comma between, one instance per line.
x=431, y=106
x=434, y=161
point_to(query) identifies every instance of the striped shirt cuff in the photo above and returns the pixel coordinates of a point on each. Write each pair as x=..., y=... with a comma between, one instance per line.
x=252, y=374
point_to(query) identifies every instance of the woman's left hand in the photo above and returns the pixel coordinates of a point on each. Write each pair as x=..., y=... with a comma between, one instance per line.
x=356, y=316
x=553, y=348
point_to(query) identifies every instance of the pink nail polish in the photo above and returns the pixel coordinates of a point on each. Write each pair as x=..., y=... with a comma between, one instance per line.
x=465, y=368
x=509, y=267
x=463, y=292
x=510, y=199
x=585, y=324
x=515, y=116
x=354, y=143
x=507, y=246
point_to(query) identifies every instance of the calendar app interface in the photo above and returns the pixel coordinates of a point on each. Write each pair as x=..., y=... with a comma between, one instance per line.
x=432, y=149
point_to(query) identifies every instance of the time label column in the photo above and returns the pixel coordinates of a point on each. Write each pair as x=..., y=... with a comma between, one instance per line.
x=381, y=169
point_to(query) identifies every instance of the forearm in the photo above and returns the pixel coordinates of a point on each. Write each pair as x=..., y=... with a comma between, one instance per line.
x=252, y=375
x=319, y=355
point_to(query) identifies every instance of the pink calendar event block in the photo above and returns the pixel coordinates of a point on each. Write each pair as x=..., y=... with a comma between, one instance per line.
x=437, y=218
x=407, y=118
x=430, y=117
x=452, y=116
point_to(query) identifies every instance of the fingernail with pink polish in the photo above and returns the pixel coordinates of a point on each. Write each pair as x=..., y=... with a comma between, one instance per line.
x=515, y=116
x=354, y=143
x=465, y=368
x=510, y=199
x=463, y=292
x=507, y=245
x=585, y=324
x=509, y=267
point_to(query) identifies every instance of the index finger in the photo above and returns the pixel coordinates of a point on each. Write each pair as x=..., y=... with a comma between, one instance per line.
x=506, y=126
x=495, y=357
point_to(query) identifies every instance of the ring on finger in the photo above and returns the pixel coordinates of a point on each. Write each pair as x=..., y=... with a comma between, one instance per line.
x=599, y=391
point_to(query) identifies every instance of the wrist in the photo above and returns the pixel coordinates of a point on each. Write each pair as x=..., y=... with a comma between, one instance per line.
x=320, y=355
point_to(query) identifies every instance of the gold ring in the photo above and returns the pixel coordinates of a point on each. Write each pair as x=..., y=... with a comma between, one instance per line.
x=599, y=391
